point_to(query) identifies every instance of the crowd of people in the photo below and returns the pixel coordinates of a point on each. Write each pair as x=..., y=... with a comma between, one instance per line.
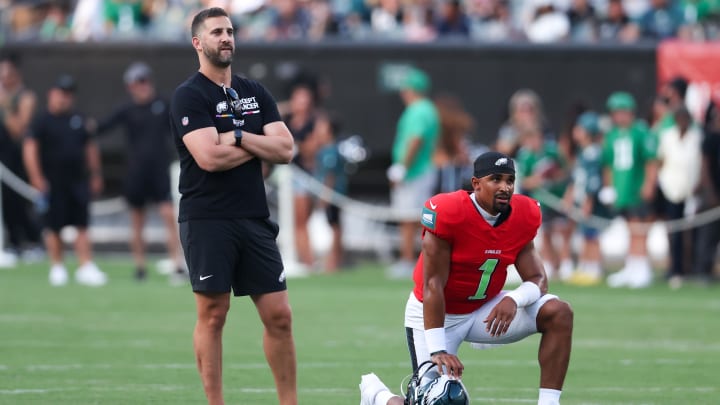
x=50, y=144
x=537, y=21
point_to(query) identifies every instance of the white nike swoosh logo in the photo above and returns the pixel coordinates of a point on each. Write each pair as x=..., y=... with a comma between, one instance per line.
x=205, y=277
x=433, y=206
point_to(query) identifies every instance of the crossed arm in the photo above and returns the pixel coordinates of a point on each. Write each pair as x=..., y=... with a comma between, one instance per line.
x=216, y=152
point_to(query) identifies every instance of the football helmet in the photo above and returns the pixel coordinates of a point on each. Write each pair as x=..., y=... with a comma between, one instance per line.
x=428, y=387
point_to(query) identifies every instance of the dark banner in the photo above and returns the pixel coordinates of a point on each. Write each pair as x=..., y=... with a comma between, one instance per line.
x=356, y=86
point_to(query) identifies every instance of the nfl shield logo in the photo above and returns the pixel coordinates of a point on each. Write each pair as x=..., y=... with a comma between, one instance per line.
x=185, y=121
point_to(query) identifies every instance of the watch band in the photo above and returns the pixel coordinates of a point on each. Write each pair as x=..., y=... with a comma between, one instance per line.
x=238, y=137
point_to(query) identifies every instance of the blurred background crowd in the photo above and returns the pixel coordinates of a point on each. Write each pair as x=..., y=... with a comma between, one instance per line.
x=536, y=21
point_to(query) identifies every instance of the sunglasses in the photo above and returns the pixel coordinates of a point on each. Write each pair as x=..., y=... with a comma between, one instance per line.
x=232, y=97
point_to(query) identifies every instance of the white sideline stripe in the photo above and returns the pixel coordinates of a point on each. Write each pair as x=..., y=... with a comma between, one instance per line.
x=21, y=391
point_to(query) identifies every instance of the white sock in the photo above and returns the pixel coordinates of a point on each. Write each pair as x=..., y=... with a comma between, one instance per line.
x=383, y=397
x=592, y=267
x=549, y=397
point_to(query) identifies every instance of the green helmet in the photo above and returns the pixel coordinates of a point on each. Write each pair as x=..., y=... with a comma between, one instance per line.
x=428, y=387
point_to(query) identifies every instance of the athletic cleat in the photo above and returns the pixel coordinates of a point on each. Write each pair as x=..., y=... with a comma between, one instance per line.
x=619, y=279
x=583, y=279
x=58, y=275
x=370, y=387
x=140, y=274
x=88, y=274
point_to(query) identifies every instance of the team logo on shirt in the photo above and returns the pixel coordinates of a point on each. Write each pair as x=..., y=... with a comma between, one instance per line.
x=221, y=107
x=185, y=121
x=428, y=218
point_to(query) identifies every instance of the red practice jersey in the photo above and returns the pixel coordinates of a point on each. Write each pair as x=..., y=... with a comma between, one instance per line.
x=480, y=252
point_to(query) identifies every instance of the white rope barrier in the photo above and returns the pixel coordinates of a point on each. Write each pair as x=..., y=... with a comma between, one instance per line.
x=385, y=213
x=676, y=225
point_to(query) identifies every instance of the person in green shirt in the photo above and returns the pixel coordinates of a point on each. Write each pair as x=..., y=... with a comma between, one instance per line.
x=543, y=174
x=412, y=173
x=630, y=173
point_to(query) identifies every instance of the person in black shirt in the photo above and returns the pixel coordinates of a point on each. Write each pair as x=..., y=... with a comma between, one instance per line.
x=17, y=105
x=708, y=235
x=145, y=120
x=223, y=126
x=63, y=163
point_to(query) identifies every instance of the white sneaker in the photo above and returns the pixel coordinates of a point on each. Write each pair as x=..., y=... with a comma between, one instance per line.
x=370, y=387
x=566, y=269
x=619, y=279
x=641, y=277
x=58, y=275
x=89, y=274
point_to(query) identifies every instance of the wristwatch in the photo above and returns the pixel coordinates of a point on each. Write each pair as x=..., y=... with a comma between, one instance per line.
x=238, y=137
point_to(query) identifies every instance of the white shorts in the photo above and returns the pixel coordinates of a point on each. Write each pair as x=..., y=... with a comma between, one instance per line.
x=469, y=327
x=411, y=195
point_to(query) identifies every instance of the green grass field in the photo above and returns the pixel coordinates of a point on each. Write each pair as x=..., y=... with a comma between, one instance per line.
x=127, y=343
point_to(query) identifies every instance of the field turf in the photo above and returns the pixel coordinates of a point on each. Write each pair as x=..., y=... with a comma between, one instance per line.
x=130, y=343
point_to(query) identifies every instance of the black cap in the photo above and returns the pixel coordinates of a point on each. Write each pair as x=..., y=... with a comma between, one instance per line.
x=66, y=83
x=493, y=163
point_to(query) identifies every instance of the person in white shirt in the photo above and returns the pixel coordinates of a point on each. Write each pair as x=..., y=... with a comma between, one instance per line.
x=679, y=175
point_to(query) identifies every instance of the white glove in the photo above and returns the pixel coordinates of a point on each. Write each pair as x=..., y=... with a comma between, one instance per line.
x=607, y=195
x=396, y=172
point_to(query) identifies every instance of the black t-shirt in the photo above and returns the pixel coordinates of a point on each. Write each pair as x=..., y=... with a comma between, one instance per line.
x=711, y=150
x=61, y=140
x=235, y=193
x=147, y=131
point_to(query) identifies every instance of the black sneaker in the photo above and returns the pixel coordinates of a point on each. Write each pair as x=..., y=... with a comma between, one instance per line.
x=140, y=274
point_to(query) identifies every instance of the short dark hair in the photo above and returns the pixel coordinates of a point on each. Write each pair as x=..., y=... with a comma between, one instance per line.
x=203, y=15
x=12, y=58
x=680, y=84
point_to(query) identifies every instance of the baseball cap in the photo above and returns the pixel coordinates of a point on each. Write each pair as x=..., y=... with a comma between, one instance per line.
x=65, y=82
x=493, y=163
x=415, y=79
x=621, y=100
x=136, y=72
x=590, y=122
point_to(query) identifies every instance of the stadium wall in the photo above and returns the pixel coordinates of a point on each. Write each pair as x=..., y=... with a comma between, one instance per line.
x=482, y=76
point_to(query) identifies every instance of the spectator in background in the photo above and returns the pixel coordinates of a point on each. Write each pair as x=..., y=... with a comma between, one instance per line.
x=672, y=94
x=330, y=170
x=630, y=172
x=452, y=21
x=290, y=21
x=543, y=174
x=56, y=24
x=664, y=20
x=125, y=18
x=616, y=25
x=412, y=174
x=582, y=194
x=678, y=176
x=300, y=119
x=17, y=106
x=146, y=124
x=323, y=22
x=547, y=24
x=386, y=19
x=63, y=163
x=583, y=21
x=452, y=154
x=708, y=235
x=419, y=24
x=492, y=21
x=525, y=110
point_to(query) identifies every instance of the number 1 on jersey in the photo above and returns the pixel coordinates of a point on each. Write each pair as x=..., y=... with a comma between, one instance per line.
x=487, y=269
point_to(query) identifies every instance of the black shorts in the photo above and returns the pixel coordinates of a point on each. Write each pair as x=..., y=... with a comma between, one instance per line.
x=152, y=186
x=239, y=253
x=332, y=212
x=67, y=206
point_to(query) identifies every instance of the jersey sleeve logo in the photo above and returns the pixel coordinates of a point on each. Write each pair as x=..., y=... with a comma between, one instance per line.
x=428, y=218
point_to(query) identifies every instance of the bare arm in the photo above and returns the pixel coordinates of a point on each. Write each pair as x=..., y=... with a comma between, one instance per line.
x=529, y=265
x=436, y=269
x=18, y=122
x=92, y=156
x=412, y=150
x=211, y=156
x=648, y=187
x=31, y=158
x=276, y=146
